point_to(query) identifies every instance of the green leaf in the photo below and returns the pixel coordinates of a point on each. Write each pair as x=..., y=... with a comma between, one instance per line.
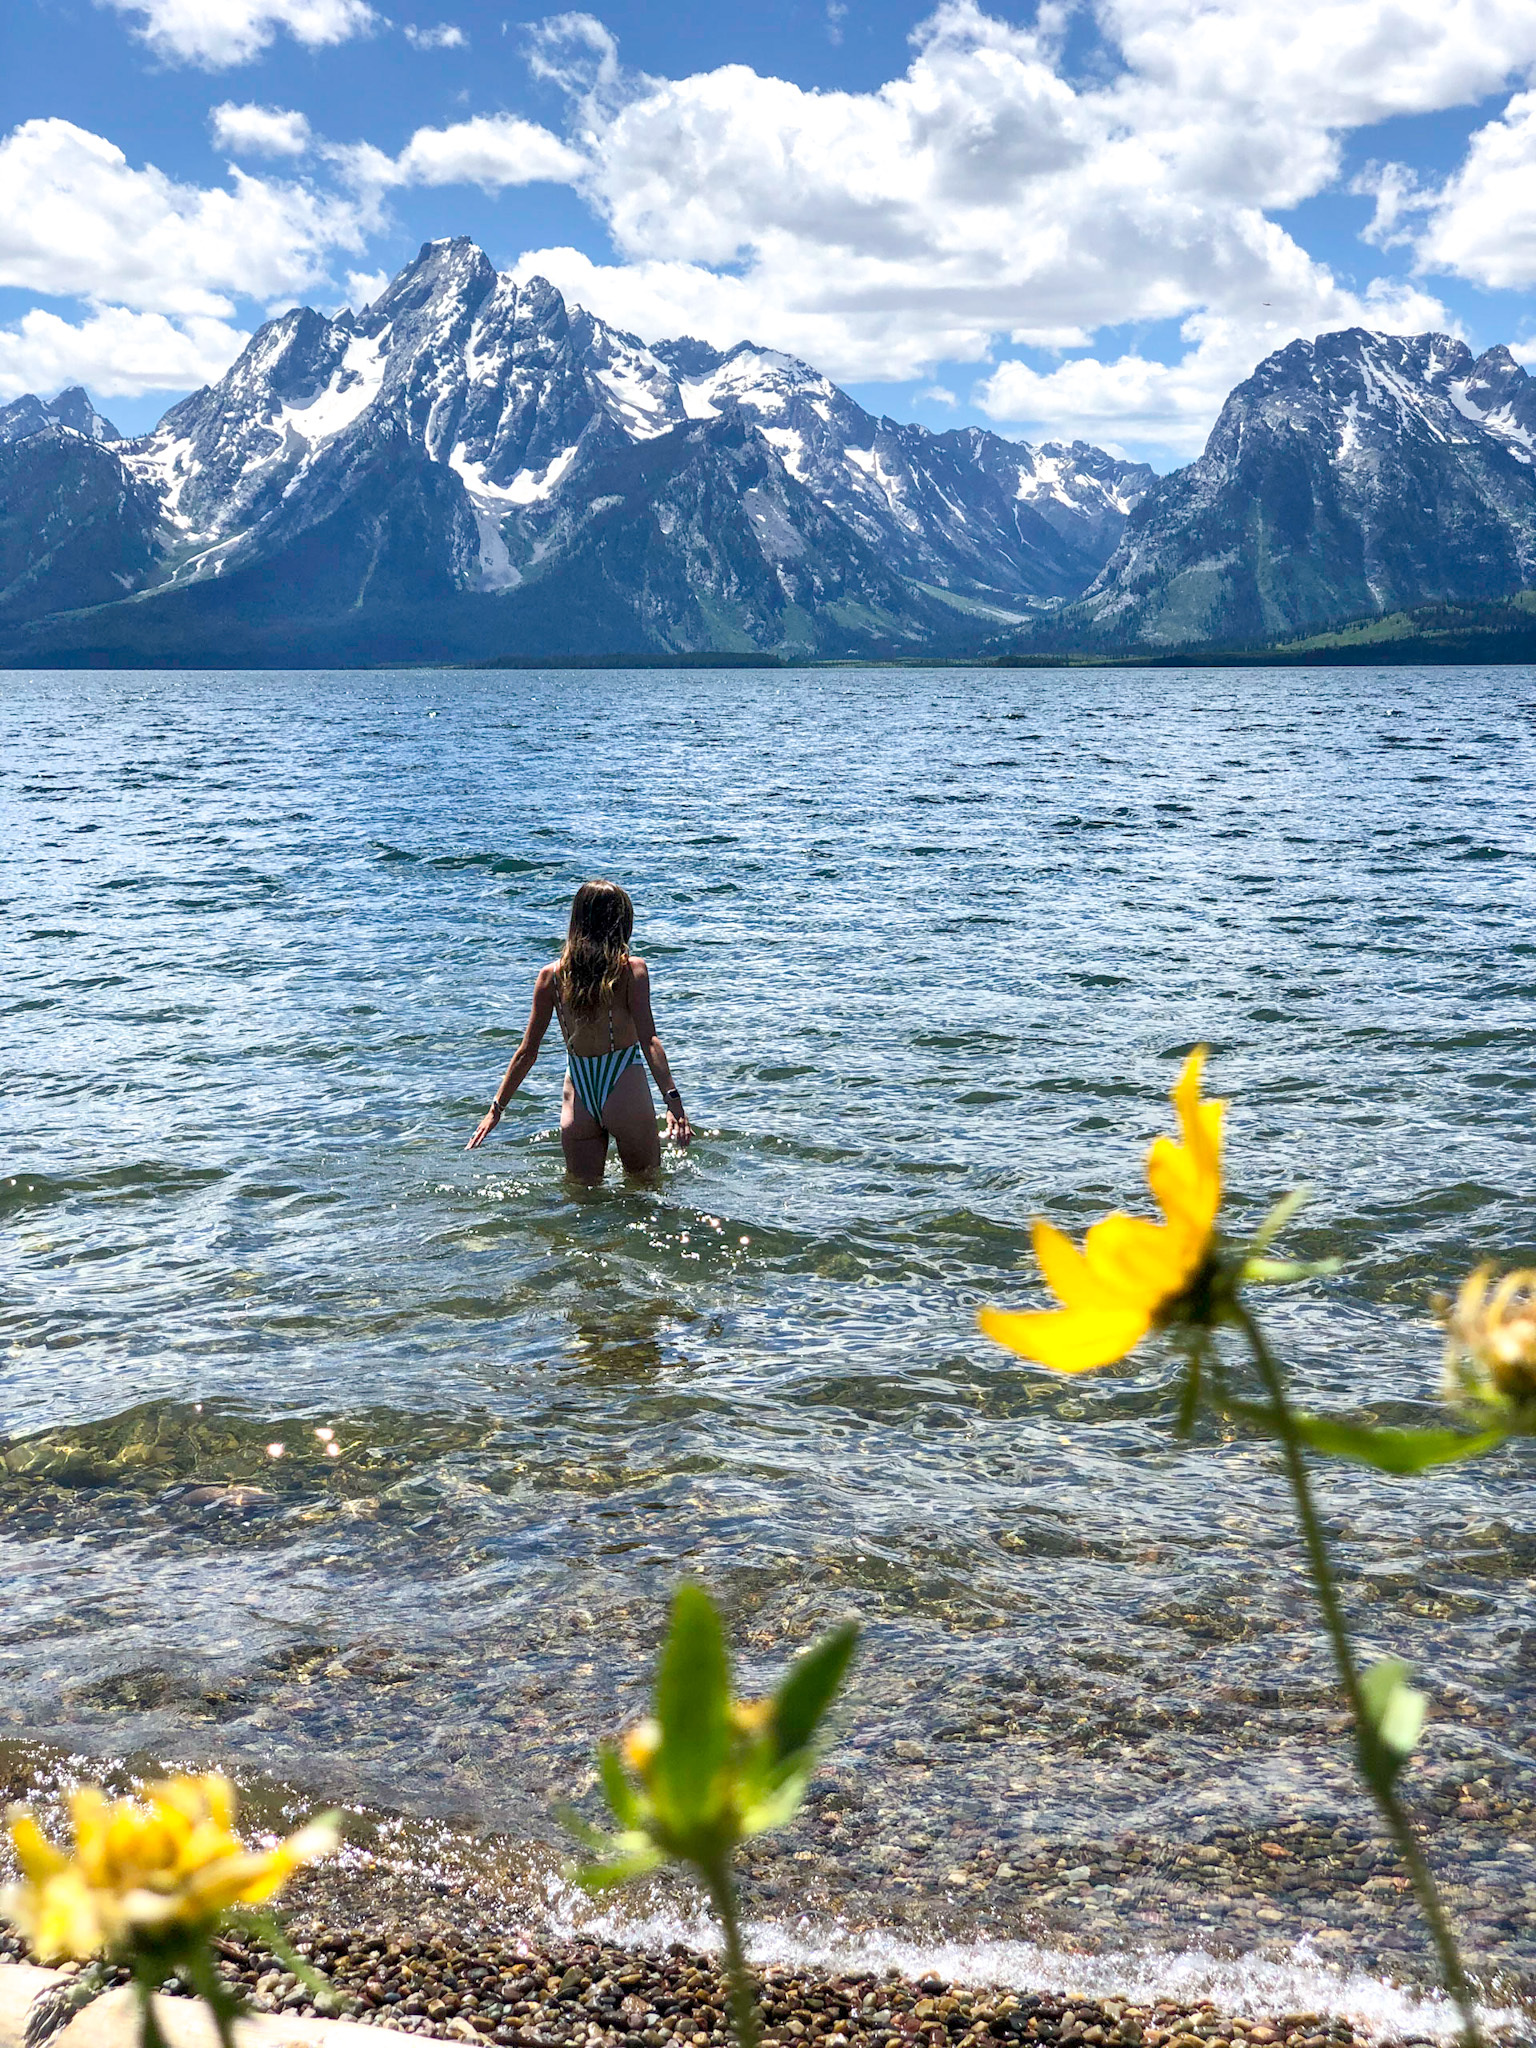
x=620, y=1794
x=590, y=1838
x=205, y=1980
x=150, y=2035
x=1279, y=1216
x=1276, y=1272
x=809, y=1688
x=693, y=1694
x=606, y=1877
x=1394, y=1708
x=1401, y=1451
x=776, y=1807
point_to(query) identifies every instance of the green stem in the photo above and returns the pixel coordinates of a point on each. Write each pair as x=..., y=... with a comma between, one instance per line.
x=150, y=2035
x=743, y=2003
x=1375, y=1767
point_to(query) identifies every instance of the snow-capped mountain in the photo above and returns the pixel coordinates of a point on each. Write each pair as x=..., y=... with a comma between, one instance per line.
x=1354, y=474
x=72, y=409
x=524, y=401
x=471, y=469
x=964, y=510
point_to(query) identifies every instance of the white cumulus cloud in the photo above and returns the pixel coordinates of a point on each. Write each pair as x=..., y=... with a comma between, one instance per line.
x=444, y=37
x=259, y=131
x=491, y=150
x=217, y=33
x=114, y=352
x=1483, y=221
x=78, y=220
x=986, y=197
x=364, y=286
x=989, y=200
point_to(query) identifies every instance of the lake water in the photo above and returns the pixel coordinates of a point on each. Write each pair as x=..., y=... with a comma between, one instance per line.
x=927, y=949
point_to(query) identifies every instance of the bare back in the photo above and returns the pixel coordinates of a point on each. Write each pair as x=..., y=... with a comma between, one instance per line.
x=611, y=1028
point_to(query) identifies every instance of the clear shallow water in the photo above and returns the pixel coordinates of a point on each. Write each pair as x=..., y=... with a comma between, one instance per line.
x=927, y=950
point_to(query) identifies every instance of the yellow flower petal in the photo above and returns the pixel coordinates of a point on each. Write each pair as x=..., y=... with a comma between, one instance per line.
x=640, y=1745
x=61, y=1919
x=141, y=1866
x=91, y=1814
x=1130, y=1272
x=1138, y=1262
x=1067, y=1340
x=37, y=1856
x=1065, y=1269
x=1491, y=1341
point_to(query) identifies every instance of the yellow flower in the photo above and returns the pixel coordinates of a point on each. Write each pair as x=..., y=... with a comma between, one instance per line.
x=145, y=1870
x=1490, y=1346
x=1130, y=1274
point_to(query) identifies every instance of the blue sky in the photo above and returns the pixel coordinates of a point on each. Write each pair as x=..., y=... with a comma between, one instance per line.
x=1063, y=218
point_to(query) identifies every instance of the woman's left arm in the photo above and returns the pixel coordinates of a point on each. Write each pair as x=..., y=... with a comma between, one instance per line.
x=678, y=1127
x=521, y=1063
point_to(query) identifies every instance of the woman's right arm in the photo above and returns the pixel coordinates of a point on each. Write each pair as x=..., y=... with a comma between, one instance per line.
x=678, y=1127
x=521, y=1063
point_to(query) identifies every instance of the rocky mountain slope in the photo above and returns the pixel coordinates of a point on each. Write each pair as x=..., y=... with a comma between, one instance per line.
x=1356, y=474
x=75, y=527
x=471, y=468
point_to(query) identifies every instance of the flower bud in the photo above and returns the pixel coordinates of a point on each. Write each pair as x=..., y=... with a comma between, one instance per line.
x=1490, y=1345
x=640, y=1745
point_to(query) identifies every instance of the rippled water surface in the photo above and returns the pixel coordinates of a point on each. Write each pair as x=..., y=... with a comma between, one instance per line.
x=927, y=949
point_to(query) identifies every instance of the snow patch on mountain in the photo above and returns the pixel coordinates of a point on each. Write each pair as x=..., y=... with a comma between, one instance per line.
x=168, y=463
x=352, y=388
x=527, y=487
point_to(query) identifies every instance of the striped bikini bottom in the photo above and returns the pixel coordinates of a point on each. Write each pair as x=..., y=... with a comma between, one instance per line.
x=593, y=1077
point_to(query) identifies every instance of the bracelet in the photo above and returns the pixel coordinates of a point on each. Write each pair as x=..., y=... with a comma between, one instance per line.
x=496, y=1107
x=673, y=1095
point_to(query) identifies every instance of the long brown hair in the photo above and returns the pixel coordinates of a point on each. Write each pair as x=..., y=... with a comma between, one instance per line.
x=596, y=951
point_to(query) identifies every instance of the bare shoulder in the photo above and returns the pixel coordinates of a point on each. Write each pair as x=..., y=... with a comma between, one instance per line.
x=639, y=993
x=544, y=982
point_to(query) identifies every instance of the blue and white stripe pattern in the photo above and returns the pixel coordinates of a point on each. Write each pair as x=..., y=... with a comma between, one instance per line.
x=593, y=1077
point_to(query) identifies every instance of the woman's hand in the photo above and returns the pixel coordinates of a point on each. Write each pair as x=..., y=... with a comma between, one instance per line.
x=484, y=1128
x=679, y=1130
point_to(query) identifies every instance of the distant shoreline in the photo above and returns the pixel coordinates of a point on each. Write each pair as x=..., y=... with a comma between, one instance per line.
x=1390, y=654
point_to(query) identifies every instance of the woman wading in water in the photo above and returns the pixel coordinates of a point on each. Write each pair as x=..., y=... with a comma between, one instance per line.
x=601, y=996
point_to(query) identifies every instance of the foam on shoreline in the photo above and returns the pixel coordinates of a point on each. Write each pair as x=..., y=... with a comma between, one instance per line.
x=1248, y=1986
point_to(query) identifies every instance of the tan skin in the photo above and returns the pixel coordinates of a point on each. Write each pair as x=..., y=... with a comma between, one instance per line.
x=629, y=1114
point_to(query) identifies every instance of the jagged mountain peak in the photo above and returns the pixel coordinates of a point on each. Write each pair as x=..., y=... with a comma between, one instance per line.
x=1501, y=398
x=72, y=409
x=1371, y=391
x=455, y=269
